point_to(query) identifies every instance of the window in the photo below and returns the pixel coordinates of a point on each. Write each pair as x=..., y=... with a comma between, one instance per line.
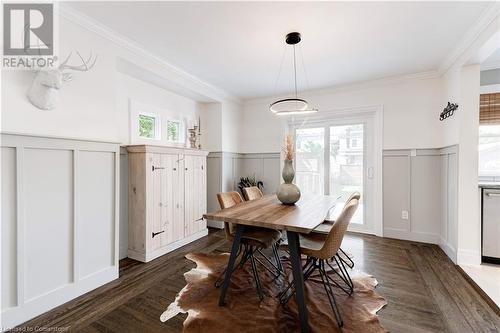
x=147, y=126
x=489, y=151
x=173, y=129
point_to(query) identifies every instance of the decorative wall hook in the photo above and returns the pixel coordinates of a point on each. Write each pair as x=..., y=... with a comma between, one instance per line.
x=448, y=111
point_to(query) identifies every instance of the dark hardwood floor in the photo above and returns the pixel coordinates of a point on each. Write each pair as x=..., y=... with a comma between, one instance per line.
x=424, y=290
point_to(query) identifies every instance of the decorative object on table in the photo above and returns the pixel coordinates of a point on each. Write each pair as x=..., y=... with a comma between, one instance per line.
x=199, y=299
x=288, y=193
x=193, y=136
x=250, y=181
x=448, y=111
x=44, y=90
x=294, y=105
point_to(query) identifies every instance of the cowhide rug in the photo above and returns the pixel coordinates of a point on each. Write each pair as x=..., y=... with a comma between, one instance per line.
x=244, y=313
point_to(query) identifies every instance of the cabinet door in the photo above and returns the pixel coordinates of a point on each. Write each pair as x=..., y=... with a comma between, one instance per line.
x=158, y=230
x=174, y=196
x=195, y=194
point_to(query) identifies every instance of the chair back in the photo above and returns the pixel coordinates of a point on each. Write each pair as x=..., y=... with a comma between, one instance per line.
x=227, y=200
x=337, y=232
x=252, y=193
x=354, y=195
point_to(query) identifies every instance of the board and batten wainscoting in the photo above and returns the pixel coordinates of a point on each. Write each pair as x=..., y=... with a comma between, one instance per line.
x=225, y=169
x=422, y=182
x=59, y=221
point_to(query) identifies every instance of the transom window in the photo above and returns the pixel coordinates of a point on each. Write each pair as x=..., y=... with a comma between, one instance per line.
x=173, y=129
x=147, y=126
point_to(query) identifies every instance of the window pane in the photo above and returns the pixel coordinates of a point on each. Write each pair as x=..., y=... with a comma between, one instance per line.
x=346, y=164
x=147, y=126
x=172, y=131
x=489, y=150
x=309, y=160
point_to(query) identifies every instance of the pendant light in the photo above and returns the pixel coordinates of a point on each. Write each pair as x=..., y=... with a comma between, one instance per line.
x=294, y=105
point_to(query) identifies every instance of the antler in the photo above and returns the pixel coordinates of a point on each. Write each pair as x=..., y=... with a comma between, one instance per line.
x=85, y=66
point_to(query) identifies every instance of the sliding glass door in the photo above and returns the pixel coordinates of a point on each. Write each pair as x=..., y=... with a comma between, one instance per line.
x=335, y=158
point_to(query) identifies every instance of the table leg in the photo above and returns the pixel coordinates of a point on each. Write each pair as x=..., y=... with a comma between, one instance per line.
x=298, y=278
x=230, y=264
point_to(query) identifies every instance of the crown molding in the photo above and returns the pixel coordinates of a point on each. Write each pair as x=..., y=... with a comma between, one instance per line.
x=390, y=80
x=195, y=84
x=470, y=37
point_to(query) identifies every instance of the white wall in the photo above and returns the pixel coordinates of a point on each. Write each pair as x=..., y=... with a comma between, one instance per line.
x=411, y=112
x=95, y=104
x=462, y=86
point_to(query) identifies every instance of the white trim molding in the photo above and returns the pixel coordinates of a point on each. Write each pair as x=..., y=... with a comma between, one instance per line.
x=490, y=89
x=462, y=51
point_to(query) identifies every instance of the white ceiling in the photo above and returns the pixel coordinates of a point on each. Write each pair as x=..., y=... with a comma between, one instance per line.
x=238, y=46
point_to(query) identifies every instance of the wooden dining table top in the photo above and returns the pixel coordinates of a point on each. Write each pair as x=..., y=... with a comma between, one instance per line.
x=268, y=212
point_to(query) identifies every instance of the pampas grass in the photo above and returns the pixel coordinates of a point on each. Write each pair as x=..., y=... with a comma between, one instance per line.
x=288, y=148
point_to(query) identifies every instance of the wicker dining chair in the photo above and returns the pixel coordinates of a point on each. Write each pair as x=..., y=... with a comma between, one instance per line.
x=319, y=249
x=252, y=193
x=253, y=241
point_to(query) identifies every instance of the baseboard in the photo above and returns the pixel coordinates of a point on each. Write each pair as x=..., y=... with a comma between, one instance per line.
x=412, y=236
x=122, y=253
x=479, y=290
x=468, y=257
x=30, y=309
x=450, y=251
x=145, y=257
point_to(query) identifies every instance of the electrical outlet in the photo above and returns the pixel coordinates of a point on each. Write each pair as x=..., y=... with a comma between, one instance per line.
x=404, y=215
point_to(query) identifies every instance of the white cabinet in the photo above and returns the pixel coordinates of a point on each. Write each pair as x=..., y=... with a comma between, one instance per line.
x=167, y=199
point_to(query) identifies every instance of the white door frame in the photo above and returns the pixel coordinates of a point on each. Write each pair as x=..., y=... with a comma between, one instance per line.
x=339, y=116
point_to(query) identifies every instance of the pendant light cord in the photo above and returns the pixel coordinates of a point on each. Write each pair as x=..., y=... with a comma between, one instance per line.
x=295, y=70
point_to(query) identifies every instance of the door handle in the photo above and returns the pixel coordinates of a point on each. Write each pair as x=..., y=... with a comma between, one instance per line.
x=370, y=172
x=157, y=233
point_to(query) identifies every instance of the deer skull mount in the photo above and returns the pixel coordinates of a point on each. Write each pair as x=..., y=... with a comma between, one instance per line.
x=44, y=90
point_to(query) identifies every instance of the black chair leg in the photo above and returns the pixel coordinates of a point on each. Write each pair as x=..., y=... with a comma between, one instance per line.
x=256, y=276
x=329, y=292
x=330, y=279
x=348, y=261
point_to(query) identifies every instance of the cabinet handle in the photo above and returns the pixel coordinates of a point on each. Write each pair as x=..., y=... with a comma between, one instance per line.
x=175, y=169
x=490, y=194
x=200, y=219
x=157, y=168
x=186, y=169
x=157, y=233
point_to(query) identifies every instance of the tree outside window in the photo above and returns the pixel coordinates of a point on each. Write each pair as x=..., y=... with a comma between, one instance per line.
x=147, y=126
x=173, y=131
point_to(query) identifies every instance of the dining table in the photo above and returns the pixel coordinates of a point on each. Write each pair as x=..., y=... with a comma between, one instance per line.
x=268, y=212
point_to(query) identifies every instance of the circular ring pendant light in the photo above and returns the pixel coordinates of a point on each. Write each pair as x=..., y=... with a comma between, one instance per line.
x=294, y=105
